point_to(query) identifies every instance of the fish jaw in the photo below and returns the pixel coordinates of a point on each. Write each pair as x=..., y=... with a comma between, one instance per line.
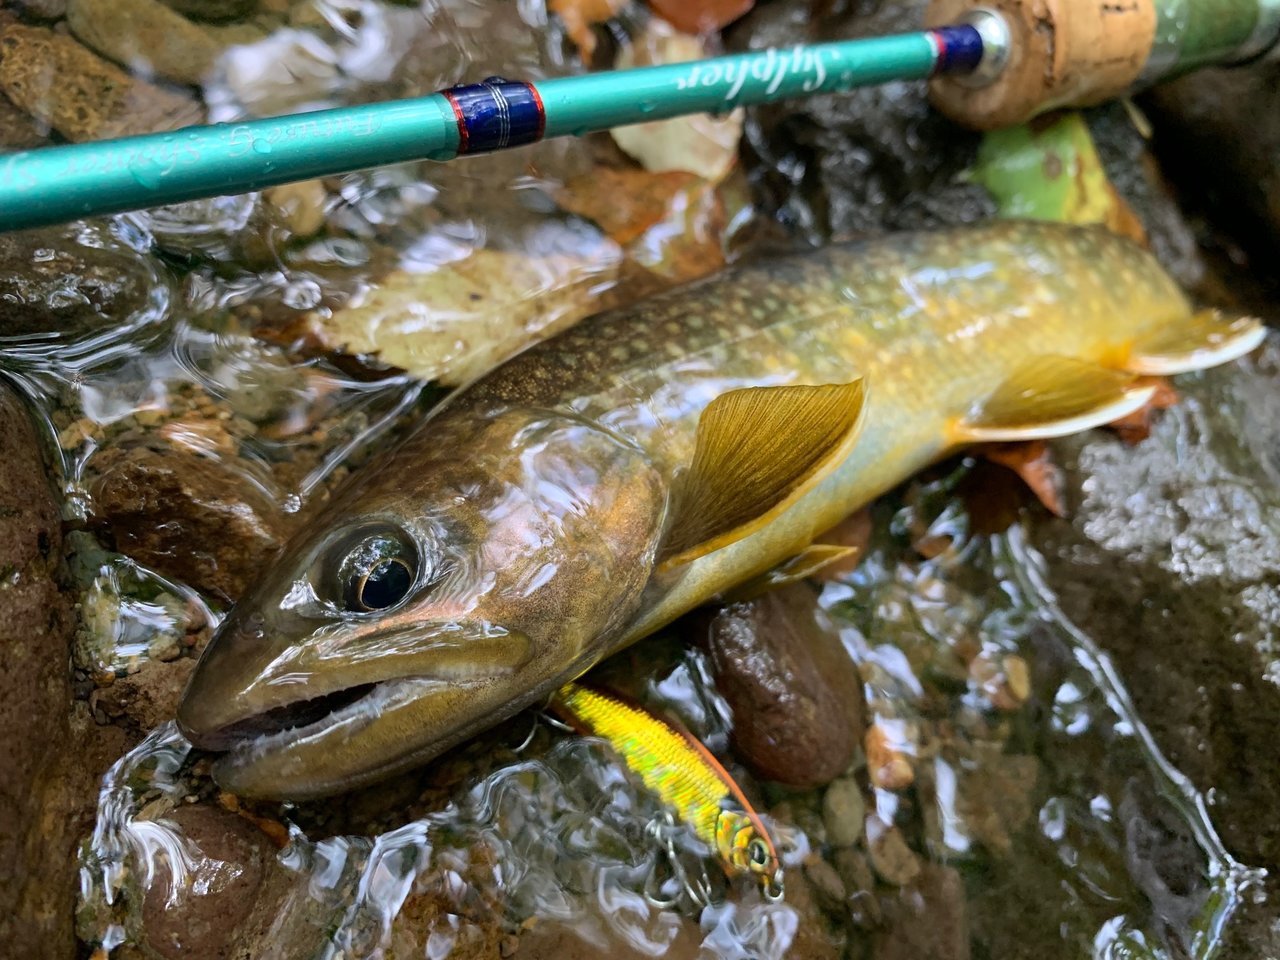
x=299, y=730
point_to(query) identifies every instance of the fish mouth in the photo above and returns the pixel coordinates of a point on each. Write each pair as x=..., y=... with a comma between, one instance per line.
x=297, y=718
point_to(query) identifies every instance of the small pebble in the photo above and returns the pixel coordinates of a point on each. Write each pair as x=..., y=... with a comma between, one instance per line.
x=893, y=860
x=827, y=884
x=888, y=766
x=843, y=812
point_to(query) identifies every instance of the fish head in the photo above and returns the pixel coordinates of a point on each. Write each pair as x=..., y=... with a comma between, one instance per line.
x=455, y=582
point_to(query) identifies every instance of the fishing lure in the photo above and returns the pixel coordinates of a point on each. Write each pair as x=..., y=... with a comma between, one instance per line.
x=684, y=774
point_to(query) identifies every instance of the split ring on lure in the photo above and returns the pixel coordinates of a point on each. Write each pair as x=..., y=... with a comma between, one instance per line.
x=685, y=776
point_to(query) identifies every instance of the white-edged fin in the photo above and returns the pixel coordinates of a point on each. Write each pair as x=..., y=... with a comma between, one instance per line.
x=1052, y=397
x=1204, y=339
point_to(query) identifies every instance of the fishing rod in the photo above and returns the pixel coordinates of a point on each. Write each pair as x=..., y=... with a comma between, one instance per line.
x=992, y=63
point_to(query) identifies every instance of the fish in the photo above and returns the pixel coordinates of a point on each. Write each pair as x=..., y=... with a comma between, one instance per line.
x=600, y=484
x=685, y=776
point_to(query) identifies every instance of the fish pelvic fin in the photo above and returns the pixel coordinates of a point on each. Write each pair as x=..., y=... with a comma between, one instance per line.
x=1204, y=339
x=806, y=563
x=757, y=451
x=1052, y=397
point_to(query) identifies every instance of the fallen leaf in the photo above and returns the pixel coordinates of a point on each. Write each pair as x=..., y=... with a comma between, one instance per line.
x=699, y=143
x=579, y=16
x=624, y=203
x=1136, y=426
x=453, y=322
x=1031, y=461
x=700, y=16
x=1050, y=170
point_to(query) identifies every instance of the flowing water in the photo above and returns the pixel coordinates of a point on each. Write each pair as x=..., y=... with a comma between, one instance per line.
x=205, y=373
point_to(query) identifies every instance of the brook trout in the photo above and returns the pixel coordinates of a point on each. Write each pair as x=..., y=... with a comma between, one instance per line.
x=600, y=484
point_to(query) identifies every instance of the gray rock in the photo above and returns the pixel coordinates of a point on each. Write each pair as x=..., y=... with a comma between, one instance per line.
x=844, y=812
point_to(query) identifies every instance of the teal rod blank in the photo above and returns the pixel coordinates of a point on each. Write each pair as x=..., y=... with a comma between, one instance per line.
x=63, y=183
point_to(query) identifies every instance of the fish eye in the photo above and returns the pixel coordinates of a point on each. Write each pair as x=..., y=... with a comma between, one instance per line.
x=758, y=851
x=376, y=569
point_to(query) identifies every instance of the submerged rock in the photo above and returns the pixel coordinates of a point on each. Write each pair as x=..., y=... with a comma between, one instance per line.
x=1171, y=563
x=146, y=36
x=60, y=83
x=1218, y=131
x=38, y=808
x=795, y=694
x=927, y=920
x=859, y=161
x=193, y=517
x=72, y=280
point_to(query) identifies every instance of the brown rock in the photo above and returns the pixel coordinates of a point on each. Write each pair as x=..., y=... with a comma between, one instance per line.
x=45, y=9
x=148, y=697
x=61, y=83
x=192, y=517
x=145, y=36
x=17, y=130
x=204, y=925
x=927, y=919
x=54, y=282
x=795, y=693
x=547, y=940
x=38, y=795
x=1218, y=132
x=894, y=861
x=214, y=11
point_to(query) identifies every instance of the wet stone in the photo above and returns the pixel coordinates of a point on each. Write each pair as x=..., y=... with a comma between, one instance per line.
x=44, y=9
x=147, y=698
x=18, y=131
x=927, y=919
x=204, y=923
x=145, y=36
x=214, y=11
x=844, y=812
x=795, y=693
x=191, y=517
x=65, y=85
x=37, y=807
x=1218, y=133
x=860, y=161
x=69, y=280
x=893, y=860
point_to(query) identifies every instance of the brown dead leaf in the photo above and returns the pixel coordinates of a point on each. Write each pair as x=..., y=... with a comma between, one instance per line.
x=624, y=203
x=698, y=143
x=700, y=16
x=1031, y=461
x=454, y=321
x=579, y=16
x=1136, y=426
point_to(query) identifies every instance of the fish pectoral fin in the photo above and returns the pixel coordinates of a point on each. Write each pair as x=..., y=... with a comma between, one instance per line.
x=757, y=451
x=1201, y=340
x=1052, y=397
x=803, y=565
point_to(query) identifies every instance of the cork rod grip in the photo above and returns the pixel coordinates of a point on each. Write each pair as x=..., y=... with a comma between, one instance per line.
x=1061, y=52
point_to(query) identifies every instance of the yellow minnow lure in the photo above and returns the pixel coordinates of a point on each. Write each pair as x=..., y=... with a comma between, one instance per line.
x=685, y=776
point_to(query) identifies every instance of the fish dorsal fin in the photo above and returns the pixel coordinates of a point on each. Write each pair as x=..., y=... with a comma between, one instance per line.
x=757, y=451
x=803, y=565
x=1052, y=397
x=1201, y=340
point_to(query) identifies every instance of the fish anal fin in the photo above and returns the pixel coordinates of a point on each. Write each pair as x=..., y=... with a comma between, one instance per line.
x=757, y=451
x=1199, y=340
x=1050, y=397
